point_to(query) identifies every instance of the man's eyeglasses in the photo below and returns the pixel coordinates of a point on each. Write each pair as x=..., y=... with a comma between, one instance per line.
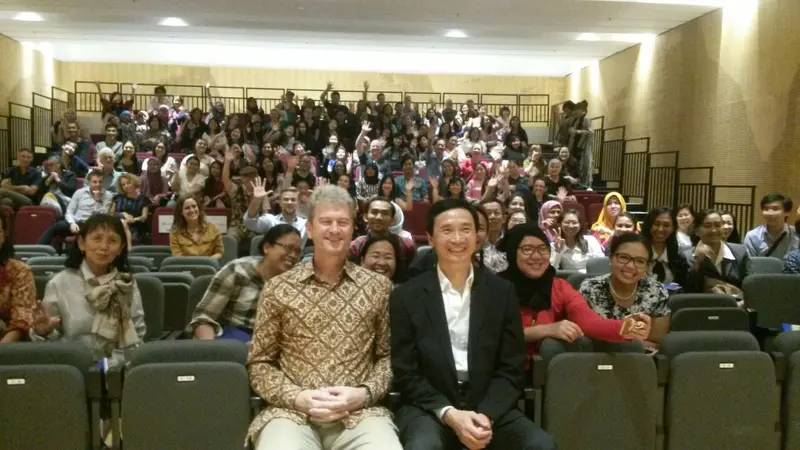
x=290, y=249
x=543, y=250
x=624, y=259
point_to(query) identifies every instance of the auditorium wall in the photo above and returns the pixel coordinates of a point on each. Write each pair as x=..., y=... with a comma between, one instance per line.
x=23, y=70
x=723, y=90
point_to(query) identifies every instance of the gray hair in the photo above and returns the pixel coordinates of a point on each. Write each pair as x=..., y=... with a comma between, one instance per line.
x=105, y=151
x=331, y=195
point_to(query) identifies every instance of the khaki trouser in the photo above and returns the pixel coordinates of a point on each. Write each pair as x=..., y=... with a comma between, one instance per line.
x=14, y=199
x=373, y=433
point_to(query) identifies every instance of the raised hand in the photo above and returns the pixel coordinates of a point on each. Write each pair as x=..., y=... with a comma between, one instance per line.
x=410, y=184
x=366, y=85
x=433, y=181
x=258, y=189
x=495, y=180
x=561, y=194
x=329, y=86
x=230, y=154
x=42, y=323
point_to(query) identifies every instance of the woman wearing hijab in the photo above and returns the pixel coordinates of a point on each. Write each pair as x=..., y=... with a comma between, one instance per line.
x=153, y=185
x=613, y=205
x=369, y=185
x=548, y=219
x=550, y=307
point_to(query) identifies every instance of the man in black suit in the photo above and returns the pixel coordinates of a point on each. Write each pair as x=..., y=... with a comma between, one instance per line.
x=458, y=351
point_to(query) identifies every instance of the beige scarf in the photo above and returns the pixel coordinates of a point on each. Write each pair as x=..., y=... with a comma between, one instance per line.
x=112, y=301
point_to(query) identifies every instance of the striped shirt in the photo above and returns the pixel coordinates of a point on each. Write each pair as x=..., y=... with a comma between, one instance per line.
x=232, y=297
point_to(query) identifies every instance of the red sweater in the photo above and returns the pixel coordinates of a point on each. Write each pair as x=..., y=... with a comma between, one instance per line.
x=568, y=304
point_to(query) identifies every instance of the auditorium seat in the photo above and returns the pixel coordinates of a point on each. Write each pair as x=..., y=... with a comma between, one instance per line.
x=25, y=256
x=47, y=261
x=416, y=222
x=602, y=401
x=45, y=250
x=31, y=222
x=679, y=301
x=47, y=391
x=196, y=292
x=773, y=297
x=194, y=270
x=593, y=212
x=576, y=279
x=577, y=207
x=186, y=391
x=190, y=261
x=163, y=217
x=721, y=392
x=48, y=270
x=138, y=260
x=7, y=214
x=598, y=266
x=765, y=264
x=709, y=319
x=155, y=253
x=152, y=293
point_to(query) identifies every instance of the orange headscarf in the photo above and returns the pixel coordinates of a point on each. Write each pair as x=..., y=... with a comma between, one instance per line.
x=604, y=227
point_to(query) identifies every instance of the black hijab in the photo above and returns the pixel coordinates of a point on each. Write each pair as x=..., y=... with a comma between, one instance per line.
x=373, y=179
x=532, y=293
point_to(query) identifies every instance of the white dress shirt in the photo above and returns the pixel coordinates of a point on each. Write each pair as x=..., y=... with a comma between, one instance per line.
x=572, y=258
x=456, y=309
x=724, y=253
x=669, y=277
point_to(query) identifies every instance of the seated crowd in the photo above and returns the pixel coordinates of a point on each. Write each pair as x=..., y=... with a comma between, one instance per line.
x=341, y=305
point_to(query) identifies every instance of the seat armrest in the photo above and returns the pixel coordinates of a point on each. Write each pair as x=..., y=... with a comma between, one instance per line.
x=114, y=380
x=781, y=365
x=257, y=403
x=96, y=383
x=538, y=371
x=662, y=368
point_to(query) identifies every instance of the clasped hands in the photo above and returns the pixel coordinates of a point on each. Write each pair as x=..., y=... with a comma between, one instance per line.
x=474, y=430
x=330, y=404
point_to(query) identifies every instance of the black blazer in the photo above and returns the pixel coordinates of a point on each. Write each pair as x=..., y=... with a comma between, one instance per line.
x=422, y=357
x=733, y=271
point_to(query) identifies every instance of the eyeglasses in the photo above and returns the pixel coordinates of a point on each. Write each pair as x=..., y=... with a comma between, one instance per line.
x=290, y=249
x=543, y=250
x=624, y=259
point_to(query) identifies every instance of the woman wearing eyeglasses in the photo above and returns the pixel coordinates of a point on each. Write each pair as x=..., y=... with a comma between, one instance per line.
x=627, y=289
x=550, y=307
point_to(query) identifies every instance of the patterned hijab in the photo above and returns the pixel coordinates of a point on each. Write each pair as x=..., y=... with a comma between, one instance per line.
x=551, y=234
x=604, y=220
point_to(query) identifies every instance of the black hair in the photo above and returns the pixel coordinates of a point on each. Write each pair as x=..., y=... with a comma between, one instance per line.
x=75, y=256
x=111, y=125
x=25, y=149
x=399, y=257
x=7, y=249
x=569, y=104
x=447, y=204
x=527, y=200
x=579, y=238
x=630, y=238
x=161, y=88
x=735, y=237
x=275, y=233
x=673, y=249
x=686, y=206
x=628, y=215
x=786, y=202
x=379, y=198
x=699, y=218
x=406, y=158
x=460, y=182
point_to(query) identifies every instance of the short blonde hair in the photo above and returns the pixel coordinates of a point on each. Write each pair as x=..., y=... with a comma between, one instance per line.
x=333, y=195
x=105, y=152
x=132, y=179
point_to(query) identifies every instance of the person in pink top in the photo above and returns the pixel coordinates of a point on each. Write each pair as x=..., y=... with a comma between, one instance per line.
x=477, y=185
x=468, y=166
x=550, y=307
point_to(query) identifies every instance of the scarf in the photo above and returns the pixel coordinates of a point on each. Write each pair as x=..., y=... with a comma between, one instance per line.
x=152, y=183
x=112, y=301
x=533, y=293
x=604, y=221
x=375, y=179
x=551, y=234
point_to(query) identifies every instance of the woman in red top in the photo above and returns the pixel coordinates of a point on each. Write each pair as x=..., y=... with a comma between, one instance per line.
x=550, y=307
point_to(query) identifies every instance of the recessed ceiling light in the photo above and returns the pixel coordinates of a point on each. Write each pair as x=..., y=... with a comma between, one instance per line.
x=588, y=37
x=28, y=17
x=458, y=34
x=173, y=22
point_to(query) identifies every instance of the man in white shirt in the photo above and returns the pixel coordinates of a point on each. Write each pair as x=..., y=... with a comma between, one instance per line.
x=458, y=350
x=92, y=199
x=260, y=224
x=111, y=141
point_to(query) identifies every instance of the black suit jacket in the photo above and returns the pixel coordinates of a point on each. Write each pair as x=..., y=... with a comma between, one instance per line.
x=422, y=357
x=733, y=271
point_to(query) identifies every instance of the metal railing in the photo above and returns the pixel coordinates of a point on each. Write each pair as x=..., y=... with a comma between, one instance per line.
x=5, y=152
x=742, y=210
x=695, y=193
x=61, y=101
x=635, y=165
x=19, y=128
x=192, y=96
x=662, y=179
x=612, y=157
x=41, y=121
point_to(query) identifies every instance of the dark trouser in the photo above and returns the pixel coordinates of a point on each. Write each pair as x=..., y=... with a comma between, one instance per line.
x=512, y=432
x=60, y=228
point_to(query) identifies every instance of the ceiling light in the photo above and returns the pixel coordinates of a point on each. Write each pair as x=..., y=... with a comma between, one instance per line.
x=458, y=34
x=631, y=38
x=173, y=22
x=588, y=37
x=28, y=17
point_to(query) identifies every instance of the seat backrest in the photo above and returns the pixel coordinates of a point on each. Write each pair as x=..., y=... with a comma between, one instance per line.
x=593, y=212
x=565, y=274
x=152, y=292
x=135, y=268
x=173, y=277
x=31, y=222
x=162, y=223
x=576, y=279
x=154, y=253
x=190, y=260
x=679, y=342
x=195, y=271
x=47, y=261
x=792, y=402
x=620, y=389
x=25, y=256
x=73, y=354
x=189, y=350
x=230, y=249
x=710, y=319
x=43, y=406
x=679, y=301
x=140, y=260
x=255, y=250
x=197, y=291
x=46, y=270
x=722, y=390
x=787, y=343
x=415, y=221
x=166, y=405
x=41, y=282
x=43, y=249
x=765, y=264
x=577, y=207
x=598, y=266
x=176, y=306
x=774, y=297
